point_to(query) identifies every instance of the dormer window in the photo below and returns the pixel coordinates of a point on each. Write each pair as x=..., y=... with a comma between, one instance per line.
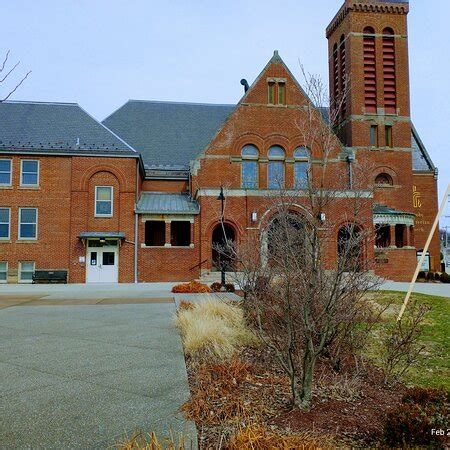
x=276, y=88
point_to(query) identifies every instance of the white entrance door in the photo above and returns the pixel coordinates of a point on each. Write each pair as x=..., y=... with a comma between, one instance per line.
x=102, y=265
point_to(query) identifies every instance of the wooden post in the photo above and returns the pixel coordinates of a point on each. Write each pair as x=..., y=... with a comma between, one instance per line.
x=424, y=252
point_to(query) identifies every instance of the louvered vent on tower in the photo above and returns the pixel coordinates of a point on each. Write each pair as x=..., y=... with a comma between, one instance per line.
x=389, y=81
x=370, y=71
x=335, y=77
x=342, y=77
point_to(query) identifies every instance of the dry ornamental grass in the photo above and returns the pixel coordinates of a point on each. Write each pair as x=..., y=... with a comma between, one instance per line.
x=213, y=329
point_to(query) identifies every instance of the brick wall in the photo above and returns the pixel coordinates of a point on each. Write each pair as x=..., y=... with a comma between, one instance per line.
x=65, y=202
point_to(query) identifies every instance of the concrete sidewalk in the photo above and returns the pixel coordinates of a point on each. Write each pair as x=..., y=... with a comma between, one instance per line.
x=84, y=376
x=438, y=289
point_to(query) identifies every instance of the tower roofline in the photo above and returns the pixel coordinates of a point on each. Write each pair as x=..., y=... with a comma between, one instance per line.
x=375, y=6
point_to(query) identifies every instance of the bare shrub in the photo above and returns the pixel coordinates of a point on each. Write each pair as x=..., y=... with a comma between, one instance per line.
x=213, y=329
x=400, y=347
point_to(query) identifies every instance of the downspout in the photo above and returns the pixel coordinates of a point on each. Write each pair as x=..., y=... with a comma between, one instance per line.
x=350, y=159
x=136, y=222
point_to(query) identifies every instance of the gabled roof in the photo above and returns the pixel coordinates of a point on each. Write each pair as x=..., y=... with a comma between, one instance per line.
x=164, y=203
x=56, y=128
x=168, y=134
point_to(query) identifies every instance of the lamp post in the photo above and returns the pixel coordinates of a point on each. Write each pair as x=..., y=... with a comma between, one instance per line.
x=221, y=197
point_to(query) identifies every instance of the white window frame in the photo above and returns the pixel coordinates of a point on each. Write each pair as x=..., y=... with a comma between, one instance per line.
x=6, y=269
x=10, y=172
x=22, y=184
x=20, y=271
x=19, y=223
x=112, y=202
x=9, y=224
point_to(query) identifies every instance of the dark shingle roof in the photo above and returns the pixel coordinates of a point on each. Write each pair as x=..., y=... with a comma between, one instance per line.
x=162, y=203
x=168, y=133
x=56, y=128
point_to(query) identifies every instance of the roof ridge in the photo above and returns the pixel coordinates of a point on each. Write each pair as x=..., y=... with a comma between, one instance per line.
x=35, y=102
x=181, y=103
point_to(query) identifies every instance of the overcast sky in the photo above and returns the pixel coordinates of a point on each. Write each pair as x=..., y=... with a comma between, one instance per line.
x=100, y=53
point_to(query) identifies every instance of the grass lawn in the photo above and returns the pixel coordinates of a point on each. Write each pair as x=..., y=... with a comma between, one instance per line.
x=434, y=368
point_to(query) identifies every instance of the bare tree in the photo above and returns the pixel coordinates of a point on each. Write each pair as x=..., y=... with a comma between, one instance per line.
x=305, y=274
x=5, y=73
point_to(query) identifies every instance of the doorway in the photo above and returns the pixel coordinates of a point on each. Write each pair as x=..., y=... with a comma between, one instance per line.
x=223, y=236
x=102, y=265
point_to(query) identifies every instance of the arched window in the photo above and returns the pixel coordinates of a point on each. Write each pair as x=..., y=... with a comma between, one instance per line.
x=384, y=179
x=389, y=76
x=301, y=167
x=275, y=170
x=350, y=248
x=370, y=73
x=286, y=232
x=250, y=167
x=343, y=74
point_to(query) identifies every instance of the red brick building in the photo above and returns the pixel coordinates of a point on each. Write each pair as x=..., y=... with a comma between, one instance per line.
x=135, y=198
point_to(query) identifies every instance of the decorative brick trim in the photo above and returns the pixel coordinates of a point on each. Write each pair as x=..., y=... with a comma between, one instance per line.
x=103, y=168
x=360, y=6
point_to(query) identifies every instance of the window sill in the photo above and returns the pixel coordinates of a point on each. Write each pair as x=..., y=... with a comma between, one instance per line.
x=6, y=186
x=5, y=241
x=31, y=188
x=103, y=217
x=27, y=241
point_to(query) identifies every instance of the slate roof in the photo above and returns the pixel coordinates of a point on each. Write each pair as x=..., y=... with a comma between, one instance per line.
x=55, y=128
x=168, y=134
x=164, y=203
x=421, y=158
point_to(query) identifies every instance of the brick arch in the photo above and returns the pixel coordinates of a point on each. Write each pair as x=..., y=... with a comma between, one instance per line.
x=362, y=229
x=272, y=212
x=276, y=139
x=248, y=139
x=88, y=174
x=384, y=169
x=238, y=233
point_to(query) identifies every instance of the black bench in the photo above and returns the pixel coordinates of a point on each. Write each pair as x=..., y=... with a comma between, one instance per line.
x=50, y=276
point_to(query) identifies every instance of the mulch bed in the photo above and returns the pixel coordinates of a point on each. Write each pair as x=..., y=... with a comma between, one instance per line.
x=261, y=394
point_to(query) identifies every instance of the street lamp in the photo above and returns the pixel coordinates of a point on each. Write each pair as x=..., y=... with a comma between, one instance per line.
x=221, y=197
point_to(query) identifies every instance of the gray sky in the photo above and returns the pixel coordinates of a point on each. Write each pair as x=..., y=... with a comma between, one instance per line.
x=100, y=53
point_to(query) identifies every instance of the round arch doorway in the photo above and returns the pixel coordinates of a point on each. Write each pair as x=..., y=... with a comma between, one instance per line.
x=222, y=235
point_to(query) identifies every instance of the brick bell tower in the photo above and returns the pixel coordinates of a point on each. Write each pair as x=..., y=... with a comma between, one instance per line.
x=370, y=108
x=369, y=93
x=369, y=76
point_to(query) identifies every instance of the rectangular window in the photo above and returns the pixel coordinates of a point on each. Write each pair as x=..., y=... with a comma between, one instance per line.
x=5, y=223
x=26, y=271
x=180, y=233
x=374, y=135
x=250, y=174
x=103, y=201
x=281, y=93
x=301, y=174
x=155, y=233
x=29, y=172
x=5, y=172
x=271, y=93
x=388, y=134
x=276, y=175
x=3, y=272
x=28, y=223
